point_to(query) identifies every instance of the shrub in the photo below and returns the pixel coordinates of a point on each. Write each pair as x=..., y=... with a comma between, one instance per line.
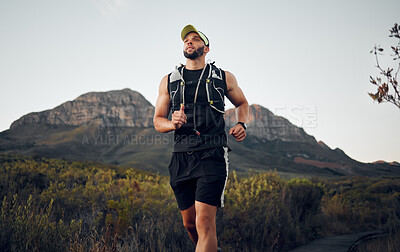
x=24, y=228
x=85, y=206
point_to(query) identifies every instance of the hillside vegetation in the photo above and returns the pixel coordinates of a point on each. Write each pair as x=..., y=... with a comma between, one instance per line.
x=60, y=205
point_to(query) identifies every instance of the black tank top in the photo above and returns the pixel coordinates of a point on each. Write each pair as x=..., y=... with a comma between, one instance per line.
x=209, y=122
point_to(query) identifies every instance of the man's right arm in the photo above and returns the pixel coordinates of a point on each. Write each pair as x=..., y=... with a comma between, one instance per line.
x=160, y=119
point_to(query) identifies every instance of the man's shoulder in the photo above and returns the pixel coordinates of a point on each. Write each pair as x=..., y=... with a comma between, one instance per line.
x=229, y=74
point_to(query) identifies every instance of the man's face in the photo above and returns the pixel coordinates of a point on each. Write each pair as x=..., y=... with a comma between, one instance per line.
x=193, y=46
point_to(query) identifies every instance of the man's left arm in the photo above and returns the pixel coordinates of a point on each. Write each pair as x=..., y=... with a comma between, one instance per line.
x=236, y=96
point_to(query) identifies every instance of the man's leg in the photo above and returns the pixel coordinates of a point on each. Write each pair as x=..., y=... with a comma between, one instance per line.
x=206, y=227
x=189, y=222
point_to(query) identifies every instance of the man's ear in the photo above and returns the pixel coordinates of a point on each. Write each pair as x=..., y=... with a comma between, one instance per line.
x=206, y=49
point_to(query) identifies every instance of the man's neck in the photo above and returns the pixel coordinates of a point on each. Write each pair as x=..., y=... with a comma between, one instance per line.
x=195, y=64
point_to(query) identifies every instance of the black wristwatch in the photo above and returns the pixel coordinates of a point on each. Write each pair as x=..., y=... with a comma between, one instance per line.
x=243, y=125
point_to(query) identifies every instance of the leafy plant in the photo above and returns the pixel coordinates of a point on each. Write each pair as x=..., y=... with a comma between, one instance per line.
x=60, y=205
x=387, y=88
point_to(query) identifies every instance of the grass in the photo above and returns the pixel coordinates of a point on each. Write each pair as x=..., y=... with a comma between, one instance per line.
x=59, y=205
x=391, y=243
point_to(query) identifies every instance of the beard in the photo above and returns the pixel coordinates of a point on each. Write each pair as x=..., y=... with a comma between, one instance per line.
x=195, y=54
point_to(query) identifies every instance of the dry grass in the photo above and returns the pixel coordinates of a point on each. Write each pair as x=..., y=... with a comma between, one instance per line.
x=390, y=243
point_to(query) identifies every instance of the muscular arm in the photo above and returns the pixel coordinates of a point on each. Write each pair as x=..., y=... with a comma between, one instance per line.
x=160, y=120
x=236, y=96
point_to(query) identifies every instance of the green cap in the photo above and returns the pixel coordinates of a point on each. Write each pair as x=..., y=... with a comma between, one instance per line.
x=190, y=28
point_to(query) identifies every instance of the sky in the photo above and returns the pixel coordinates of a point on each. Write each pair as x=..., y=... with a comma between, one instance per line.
x=306, y=60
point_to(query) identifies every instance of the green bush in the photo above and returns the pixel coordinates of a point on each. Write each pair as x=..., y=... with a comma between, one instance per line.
x=302, y=199
x=24, y=228
x=60, y=205
x=265, y=213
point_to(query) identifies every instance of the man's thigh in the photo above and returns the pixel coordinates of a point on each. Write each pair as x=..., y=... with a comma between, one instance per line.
x=205, y=212
x=207, y=189
x=210, y=190
x=185, y=193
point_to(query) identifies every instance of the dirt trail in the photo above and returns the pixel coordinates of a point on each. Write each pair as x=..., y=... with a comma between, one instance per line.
x=339, y=243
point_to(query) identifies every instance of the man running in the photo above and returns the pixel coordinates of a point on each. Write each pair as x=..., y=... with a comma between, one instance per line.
x=199, y=165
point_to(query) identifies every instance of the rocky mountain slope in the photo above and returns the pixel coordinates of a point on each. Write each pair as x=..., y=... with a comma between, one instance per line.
x=116, y=127
x=119, y=108
x=264, y=125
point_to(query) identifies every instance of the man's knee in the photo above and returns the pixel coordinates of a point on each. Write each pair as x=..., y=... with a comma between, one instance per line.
x=190, y=226
x=205, y=222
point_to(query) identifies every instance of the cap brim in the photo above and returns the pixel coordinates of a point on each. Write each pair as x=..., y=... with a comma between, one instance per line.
x=190, y=28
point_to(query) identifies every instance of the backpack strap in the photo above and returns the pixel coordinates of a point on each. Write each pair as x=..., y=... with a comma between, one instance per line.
x=215, y=73
x=176, y=75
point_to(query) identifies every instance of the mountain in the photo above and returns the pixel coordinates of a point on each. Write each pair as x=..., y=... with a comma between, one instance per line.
x=119, y=108
x=264, y=125
x=116, y=127
x=112, y=127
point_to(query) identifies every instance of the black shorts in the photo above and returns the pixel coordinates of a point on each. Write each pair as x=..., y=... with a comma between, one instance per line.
x=199, y=176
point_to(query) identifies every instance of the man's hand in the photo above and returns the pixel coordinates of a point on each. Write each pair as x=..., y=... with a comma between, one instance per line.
x=238, y=132
x=179, y=117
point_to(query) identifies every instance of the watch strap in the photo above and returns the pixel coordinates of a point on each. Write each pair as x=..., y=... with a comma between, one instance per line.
x=243, y=125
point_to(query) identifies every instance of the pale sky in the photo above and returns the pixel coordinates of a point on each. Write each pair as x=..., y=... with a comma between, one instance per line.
x=306, y=60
